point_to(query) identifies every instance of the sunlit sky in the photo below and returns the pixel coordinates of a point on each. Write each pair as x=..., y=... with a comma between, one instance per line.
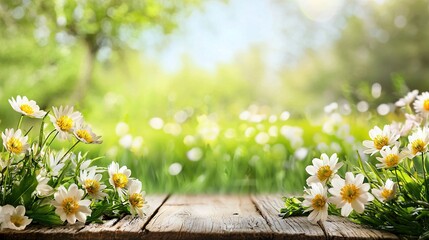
x=283, y=30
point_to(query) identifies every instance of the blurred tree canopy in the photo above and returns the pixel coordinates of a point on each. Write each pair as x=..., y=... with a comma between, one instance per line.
x=387, y=43
x=99, y=25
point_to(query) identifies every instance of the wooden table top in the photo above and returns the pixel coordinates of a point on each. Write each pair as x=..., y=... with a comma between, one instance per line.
x=206, y=217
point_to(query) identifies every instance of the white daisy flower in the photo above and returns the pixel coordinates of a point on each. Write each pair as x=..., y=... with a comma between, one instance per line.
x=69, y=205
x=408, y=99
x=13, y=218
x=26, y=107
x=323, y=169
x=85, y=134
x=350, y=194
x=136, y=198
x=418, y=141
x=15, y=142
x=119, y=177
x=43, y=189
x=64, y=120
x=56, y=162
x=316, y=200
x=421, y=104
x=386, y=192
x=90, y=181
x=380, y=138
x=390, y=157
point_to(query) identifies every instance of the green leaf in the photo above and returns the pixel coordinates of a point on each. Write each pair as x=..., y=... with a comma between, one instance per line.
x=21, y=194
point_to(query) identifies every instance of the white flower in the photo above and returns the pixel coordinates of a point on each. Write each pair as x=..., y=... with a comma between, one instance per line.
x=350, y=193
x=380, y=138
x=85, y=134
x=136, y=198
x=90, y=181
x=64, y=120
x=119, y=177
x=43, y=189
x=323, y=169
x=316, y=200
x=418, y=141
x=15, y=142
x=56, y=162
x=390, y=157
x=69, y=205
x=13, y=218
x=26, y=107
x=421, y=105
x=408, y=99
x=386, y=192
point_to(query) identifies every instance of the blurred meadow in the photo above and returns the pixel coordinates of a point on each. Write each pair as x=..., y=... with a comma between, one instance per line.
x=216, y=96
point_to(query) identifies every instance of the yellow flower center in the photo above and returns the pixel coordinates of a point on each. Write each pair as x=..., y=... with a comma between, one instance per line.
x=417, y=146
x=120, y=180
x=27, y=109
x=426, y=105
x=65, y=123
x=85, y=135
x=386, y=193
x=14, y=145
x=318, y=202
x=391, y=160
x=92, y=186
x=380, y=141
x=136, y=200
x=17, y=220
x=70, y=206
x=349, y=192
x=324, y=173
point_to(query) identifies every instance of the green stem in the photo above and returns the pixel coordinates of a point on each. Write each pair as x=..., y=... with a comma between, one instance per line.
x=46, y=139
x=424, y=176
x=397, y=179
x=20, y=122
x=60, y=178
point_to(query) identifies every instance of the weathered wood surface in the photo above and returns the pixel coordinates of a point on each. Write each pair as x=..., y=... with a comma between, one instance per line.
x=207, y=217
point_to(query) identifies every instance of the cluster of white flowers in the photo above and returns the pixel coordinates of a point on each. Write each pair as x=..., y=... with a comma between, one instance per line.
x=73, y=196
x=390, y=145
x=348, y=194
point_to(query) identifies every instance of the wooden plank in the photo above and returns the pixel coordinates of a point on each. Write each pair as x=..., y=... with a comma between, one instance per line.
x=342, y=228
x=293, y=227
x=40, y=232
x=208, y=217
x=127, y=228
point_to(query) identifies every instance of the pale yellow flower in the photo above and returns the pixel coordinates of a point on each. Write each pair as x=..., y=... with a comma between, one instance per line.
x=64, y=120
x=90, y=181
x=380, y=138
x=15, y=142
x=69, y=204
x=418, y=141
x=387, y=192
x=26, y=107
x=390, y=157
x=85, y=134
x=350, y=194
x=323, y=169
x=136, y=198
x=119, y=178
x=13, y=218
x=316, y=201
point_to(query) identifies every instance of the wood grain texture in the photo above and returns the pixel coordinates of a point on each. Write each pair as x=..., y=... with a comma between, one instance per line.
x=126, y=228
x=342, y=228
x=296, y=227
x=208, y=217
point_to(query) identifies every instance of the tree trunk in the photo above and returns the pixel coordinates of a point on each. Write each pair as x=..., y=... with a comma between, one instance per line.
x=85, y=75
